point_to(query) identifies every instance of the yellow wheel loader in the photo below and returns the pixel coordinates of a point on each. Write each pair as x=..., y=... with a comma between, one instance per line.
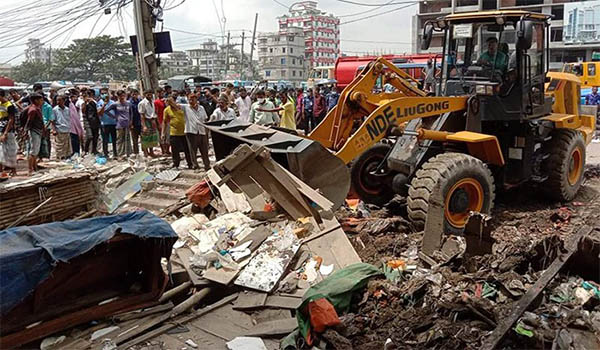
x=498, y=119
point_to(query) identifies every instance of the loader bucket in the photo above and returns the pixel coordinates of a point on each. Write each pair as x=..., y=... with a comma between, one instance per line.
x=305, y=158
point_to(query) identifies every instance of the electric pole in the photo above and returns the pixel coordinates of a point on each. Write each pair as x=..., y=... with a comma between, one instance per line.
x=146, y=45
x=227, y=55
x=252, y=45
x=242, y=57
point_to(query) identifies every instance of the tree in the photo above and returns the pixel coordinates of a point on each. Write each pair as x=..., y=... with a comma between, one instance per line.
x=32, y=71
x=101, y=58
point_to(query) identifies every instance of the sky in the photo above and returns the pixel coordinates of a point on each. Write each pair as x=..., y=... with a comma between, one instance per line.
x=195, y=21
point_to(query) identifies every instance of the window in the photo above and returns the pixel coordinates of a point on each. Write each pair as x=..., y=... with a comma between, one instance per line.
x=293, y=61
x=270, y=50
x=283, y=49
x=291, y=50
x=276, y=38
x=283, y=61
x=558, y=12
x=556, y=34
x=591, y=68
x=283, y=73
x=267, y=73
x=300, y=73
x=290, y=38
x=293, y=73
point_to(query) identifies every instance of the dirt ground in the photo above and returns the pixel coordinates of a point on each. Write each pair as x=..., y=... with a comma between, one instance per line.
x=456, y=305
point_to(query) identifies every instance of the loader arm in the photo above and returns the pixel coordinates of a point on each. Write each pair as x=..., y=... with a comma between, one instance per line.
x=357, y=100
x=392, y=113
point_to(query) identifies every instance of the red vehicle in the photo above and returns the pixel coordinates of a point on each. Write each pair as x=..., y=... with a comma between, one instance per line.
x=348, y=67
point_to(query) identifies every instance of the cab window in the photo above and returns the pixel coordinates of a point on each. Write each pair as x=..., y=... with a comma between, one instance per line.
x=591, y=69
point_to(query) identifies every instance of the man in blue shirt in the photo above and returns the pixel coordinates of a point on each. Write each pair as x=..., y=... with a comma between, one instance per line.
x=136, y=121
x=332, y=98
x=109, y=125
x=593, y=98
x=307, y=119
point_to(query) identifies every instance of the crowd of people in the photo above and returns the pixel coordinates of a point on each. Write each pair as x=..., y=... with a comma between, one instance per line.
x=77, y=121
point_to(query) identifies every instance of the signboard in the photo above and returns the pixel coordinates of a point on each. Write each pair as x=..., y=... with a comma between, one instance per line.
x=463, y=31
x=161, y=39
x=581, y=22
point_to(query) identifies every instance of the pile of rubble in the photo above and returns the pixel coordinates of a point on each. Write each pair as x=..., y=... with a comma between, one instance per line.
x=262, y=261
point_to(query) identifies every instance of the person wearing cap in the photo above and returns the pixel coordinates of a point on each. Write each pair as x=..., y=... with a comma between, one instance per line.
x=493, y=57
x=222, y=112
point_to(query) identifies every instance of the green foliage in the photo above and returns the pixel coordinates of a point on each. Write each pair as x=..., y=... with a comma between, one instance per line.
x=32, y=71
x=98, y=59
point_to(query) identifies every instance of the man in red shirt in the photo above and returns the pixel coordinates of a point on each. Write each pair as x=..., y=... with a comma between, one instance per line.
x=159, y=106
x=319, y=107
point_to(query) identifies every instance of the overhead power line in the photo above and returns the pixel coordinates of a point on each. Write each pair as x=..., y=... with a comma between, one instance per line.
x=378, y=14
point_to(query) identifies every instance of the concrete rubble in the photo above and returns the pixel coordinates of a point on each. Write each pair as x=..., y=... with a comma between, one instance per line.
x=246, y=258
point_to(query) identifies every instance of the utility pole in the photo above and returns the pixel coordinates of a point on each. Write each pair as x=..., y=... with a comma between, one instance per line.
x=227, y=55
x=252, y=45
x=146, y=46
x=242, y=57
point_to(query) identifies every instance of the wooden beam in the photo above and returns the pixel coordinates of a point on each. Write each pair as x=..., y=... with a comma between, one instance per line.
x=520, y=306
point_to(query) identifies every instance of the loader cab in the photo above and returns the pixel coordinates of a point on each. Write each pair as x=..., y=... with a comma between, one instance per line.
x=500, y=58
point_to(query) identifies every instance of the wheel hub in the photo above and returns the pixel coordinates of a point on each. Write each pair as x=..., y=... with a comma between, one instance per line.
x=575, y=166
x=459, y=201
x=464, y=196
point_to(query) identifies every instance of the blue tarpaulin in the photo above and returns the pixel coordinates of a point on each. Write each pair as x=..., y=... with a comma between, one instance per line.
x=28, y=253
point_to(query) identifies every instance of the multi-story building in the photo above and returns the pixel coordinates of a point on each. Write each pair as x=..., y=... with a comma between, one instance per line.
x=321, y=32
x=211, y=60
x=177, y=62
x=570, y=30
x=36, y=51
x=6, y=70
x=208, y=59
x=281, y=55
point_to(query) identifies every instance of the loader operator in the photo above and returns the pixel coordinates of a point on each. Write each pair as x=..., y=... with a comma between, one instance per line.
x=493, y=57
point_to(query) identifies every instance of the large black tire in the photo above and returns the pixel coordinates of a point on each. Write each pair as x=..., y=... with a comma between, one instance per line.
x=565, y=165
x=463, y=184
x=369, y=188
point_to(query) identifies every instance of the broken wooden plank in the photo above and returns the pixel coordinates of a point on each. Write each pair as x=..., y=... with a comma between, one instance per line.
x=284, y=302
x=276, y=327
x=174, y=291
x=184, y=255
x=522, y=304
x=168, y=326
x=154, y=321
x=225, y=324
x=250, y=300
x=143, y=313
x=257, y=236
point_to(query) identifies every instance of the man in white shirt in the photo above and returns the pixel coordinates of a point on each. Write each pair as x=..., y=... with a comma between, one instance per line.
x=258, y=113
x=223, y=112
x=62, y=125
x=243, y=104
x=195, y=133
x=149, y=124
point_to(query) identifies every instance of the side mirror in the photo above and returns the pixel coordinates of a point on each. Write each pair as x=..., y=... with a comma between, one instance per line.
x=524, y=34
x=427, y=36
